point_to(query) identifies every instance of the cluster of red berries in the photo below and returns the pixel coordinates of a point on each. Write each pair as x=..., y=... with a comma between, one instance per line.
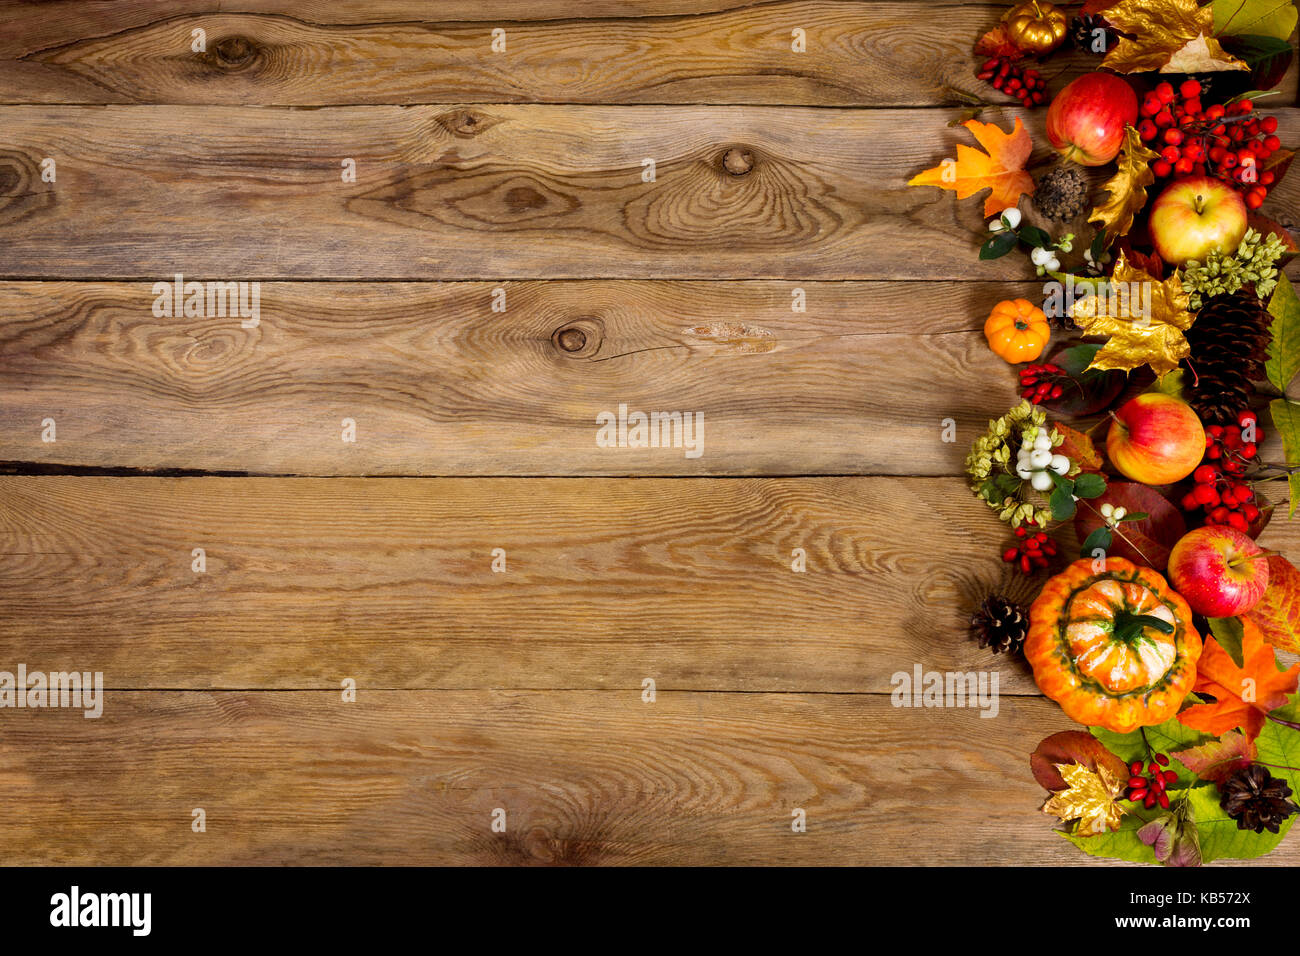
x=1028, y=86
x=1225, y=142
x=1039, y=383
x=1234, y=446
x=1150, y=790
x=1030, y=551
x=1218, y=489
x=1226, y=502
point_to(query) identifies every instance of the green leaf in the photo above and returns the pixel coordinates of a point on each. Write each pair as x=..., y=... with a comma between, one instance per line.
x=1228, y=631
x=1100, y=538
x=1098, y=246
x=1062, y=504
x=1135, y=516
x=1169, y=736
x=1270, y=18
x=1121, y=844
x=999, y=245
x=1278, y=746
x=1007, y=484
x=1267, y=57
x=1286, y=419
x=1035, y=237
x=1284, y=350
x=1089, y=485
x=1171, y=383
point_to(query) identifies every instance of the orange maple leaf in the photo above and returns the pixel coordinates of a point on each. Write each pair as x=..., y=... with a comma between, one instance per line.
x=1243, y=695
x=1001, y=168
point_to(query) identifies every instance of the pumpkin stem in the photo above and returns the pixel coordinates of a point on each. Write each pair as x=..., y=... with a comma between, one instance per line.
x=1129, y=627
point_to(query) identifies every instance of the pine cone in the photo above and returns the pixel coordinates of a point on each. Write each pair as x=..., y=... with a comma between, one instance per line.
x=1256, y=800
x=1000, y=624
x=1082, y=33
x=1061, y=193
x=1229, y=343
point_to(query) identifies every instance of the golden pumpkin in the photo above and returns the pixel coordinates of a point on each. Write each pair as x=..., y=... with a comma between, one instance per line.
x=1115, y=649
x=1036, y=26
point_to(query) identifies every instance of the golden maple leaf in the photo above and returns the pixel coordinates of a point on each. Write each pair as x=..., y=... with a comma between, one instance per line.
x=1128, y=187
x=1172, y=36
x=1001, y=168
x=1144, y=318
x=1089, y=797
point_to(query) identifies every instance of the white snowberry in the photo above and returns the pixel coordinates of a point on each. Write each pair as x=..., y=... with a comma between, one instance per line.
x=1040, y=459
x=1040, y=256
x=1042, y=481
x=1059, y=464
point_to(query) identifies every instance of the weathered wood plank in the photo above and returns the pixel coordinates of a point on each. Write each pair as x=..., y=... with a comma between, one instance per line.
x=857, y=54
x=439, y=384
x=583, y=777
x=390, y=582
x=521, y=191
x=608, y=581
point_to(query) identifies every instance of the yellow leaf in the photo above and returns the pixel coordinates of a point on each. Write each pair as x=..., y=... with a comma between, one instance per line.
x=1089, y=798
x=1172, y=36
x=1128, y=187
x=1144, y=318
x=1001, y=168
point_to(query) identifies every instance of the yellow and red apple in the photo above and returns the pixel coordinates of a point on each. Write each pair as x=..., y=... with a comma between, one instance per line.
x=1086, y=120
x=1155, y=439
x=1196, y=216
x=1219, y=571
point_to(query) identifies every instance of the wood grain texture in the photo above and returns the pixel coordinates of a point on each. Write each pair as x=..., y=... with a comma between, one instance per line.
x=688, y=581
x=584, y=778
x=389, y=582
x=521, y=191
x=857, y=54
x=439, y=384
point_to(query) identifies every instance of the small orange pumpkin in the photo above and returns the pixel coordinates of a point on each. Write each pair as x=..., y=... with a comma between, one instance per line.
x=1116, y=649
x=1017, y=330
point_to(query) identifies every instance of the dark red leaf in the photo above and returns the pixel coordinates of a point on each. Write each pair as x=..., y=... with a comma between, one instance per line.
x=1072, y=746
x=1149, y=540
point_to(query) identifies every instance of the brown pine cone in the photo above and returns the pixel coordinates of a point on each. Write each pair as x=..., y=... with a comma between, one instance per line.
x=1256, y=800
x=1229, y=343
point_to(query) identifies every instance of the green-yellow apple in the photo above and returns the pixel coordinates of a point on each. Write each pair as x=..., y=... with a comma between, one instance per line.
x=1155, y=439
x=1196, y=216
x=1086, y=120
x=1219, y=571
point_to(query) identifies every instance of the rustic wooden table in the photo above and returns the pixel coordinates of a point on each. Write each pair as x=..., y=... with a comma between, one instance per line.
x=500, y=269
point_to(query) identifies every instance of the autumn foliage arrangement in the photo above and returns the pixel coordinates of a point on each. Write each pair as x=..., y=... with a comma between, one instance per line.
x=1160, y=404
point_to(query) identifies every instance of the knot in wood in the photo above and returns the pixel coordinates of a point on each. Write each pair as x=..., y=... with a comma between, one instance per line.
x=466, y=123
x=580, y=337
x=571, y=340
x=737, y=161
x=234, y=51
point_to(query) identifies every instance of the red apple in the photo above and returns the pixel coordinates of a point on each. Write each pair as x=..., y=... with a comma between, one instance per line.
x=1086, y=121
x=1219, y=571
x=1155, y=439
x=1195, y=216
